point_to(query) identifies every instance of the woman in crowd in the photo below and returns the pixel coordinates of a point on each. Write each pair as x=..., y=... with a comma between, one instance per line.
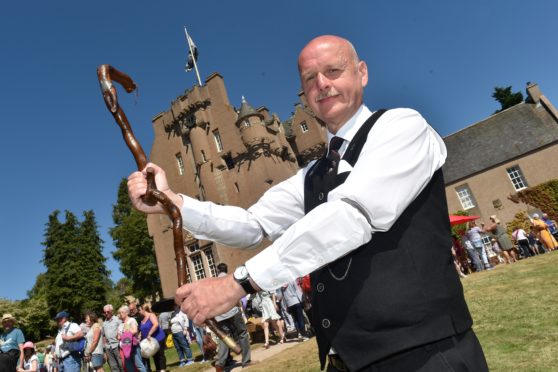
x=269, y=313
x=545, y=237
x=30, y=361
x=496, y=229
x=179, y=330
x=94, y=351
x=128, y=333
x=149, y=327
x=11, y=343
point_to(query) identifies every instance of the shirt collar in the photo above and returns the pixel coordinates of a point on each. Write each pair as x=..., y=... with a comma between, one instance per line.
x=349, y=129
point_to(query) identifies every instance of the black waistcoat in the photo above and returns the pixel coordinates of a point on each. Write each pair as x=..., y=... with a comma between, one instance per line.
x=399, y=290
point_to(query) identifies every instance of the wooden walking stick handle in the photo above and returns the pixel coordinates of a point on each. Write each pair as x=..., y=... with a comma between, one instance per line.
x=106, y=75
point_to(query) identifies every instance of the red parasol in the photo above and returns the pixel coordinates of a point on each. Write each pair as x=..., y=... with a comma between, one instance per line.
x=458, y=220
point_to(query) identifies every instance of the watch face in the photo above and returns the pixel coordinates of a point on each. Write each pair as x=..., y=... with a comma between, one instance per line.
x=241, y=273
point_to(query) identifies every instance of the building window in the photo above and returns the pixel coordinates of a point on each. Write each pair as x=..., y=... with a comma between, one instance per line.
x=517, y=178
x=246, y=123
x=236, y=187
x=190, y=120
x=304, y=127
x=199, y=270
x=194, y=247
x=204, y=158
x=210, y=261
x=218, y=141
x=229, y=161
x=180, y=163
x=465, y=197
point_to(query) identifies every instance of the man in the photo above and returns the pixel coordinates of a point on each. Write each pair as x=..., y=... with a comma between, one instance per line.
x=292, y=295
x=371, y=227
x=67, y=331
x=232, y=323
x=133, y=304
x=11, y=343
x=552, y=227
x=475, y=237
x=110, y=335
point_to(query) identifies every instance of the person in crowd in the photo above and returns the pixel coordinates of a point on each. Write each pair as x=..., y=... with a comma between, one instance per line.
x=198, y=333
x=473, y=254
x=475, y=236
x=179, y=330
x=110, y=339
x=457, y=263
x=94, y=349
x=534, y=242
x=269, y=314
x=543, y=233
x=133, y=305
x=128, y=324
x=282, y=306
x=232, y=323
x=499, y=252
x=368, y=220
x=49, y=359
x=149, y=328
x=69, y=361
x=552, y=225
x=11, y=343
x=498, y=231
x=164, y=321
x=30, y=360
x=41, y=357
x=520, y=237
x=292, y=295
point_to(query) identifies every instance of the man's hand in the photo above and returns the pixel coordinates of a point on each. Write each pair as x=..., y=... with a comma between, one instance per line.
x=208, y=298
x=137, y=186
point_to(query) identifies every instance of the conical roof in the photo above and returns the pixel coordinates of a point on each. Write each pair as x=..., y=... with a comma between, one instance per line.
x=246, y=111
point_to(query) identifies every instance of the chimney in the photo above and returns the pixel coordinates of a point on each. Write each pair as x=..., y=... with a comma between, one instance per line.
x=533, y=92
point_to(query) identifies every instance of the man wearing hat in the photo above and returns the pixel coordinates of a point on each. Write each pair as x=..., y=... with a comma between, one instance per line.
x=11, y=343
x=67, y=331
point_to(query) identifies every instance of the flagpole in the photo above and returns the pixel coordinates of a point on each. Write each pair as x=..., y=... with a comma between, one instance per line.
x=193, y=57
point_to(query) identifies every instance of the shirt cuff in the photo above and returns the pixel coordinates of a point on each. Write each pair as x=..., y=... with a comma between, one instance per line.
x=265, y=276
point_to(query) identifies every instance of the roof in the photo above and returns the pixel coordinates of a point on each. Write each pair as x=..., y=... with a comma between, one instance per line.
x=508, y=134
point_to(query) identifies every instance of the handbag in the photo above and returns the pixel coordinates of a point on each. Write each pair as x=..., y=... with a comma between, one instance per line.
x=76, y=346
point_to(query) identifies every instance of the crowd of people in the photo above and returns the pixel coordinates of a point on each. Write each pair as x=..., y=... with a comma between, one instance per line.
x=126, y=340
x=472, y=254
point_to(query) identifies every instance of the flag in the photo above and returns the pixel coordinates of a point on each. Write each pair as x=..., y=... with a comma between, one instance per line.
x=192, y=54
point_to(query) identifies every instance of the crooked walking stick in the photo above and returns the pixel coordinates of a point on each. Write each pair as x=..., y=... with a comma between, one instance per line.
x=107, y=74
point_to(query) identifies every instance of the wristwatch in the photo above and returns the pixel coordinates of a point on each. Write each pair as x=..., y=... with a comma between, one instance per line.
x=243, y=278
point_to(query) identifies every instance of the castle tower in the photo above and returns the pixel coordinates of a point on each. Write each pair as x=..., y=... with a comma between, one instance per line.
x=212, y=151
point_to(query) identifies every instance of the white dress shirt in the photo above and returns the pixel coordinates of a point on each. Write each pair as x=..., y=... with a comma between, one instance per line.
x=401, y=154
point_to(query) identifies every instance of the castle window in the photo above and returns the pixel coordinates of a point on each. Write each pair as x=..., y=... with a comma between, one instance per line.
x=465, y=197
x=199, y=270
x=516, y=177
x=246, y=123
x=218, y=141
x=179, y=163
x=194, y=247
x=190, y=120
x=304, y=127
x=204, y=159
x=236, y=187
x=229, y=161
x=210, y=261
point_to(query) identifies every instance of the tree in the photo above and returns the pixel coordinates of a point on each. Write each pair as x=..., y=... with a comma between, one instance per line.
x=506, y=98
x=135, y=250
x=76, y=277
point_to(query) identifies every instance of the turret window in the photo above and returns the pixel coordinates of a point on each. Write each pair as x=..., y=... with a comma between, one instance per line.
x=304, y=127
x=218, y=141
x=246, y=123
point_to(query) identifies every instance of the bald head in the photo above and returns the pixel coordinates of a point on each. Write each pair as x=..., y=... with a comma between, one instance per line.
x=333, y=79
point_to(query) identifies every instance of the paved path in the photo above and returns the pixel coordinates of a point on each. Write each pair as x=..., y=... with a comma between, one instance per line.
x=260, y=354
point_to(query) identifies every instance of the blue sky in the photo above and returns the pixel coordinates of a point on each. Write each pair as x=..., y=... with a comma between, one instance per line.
x=62, y=150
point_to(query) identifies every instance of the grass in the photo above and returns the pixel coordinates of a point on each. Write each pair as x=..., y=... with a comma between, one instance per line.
x=514, y=307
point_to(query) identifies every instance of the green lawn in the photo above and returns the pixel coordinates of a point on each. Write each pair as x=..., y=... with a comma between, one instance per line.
x=515, y=309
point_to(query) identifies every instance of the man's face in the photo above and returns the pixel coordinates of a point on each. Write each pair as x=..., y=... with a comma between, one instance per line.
x=332, y=80
x=7, y=324
x=61, y=322
x=133, y=307
x=108, y=313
